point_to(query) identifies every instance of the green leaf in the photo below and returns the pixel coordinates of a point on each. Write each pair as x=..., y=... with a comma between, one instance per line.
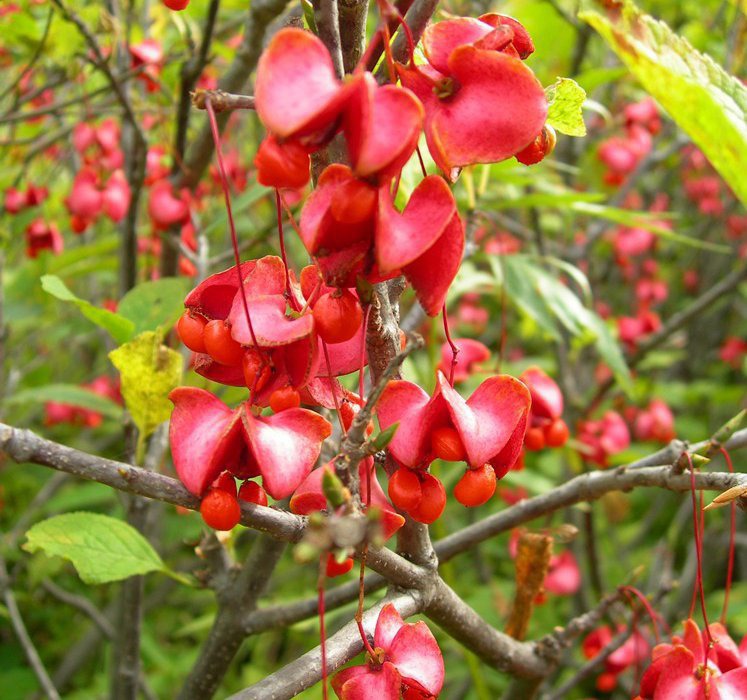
x=705, y=101
x=120, y=328
x=68, y=394
x=151, y=305
x=565, y=98
x=385, y=436
x=149, y=371
x=101, y=548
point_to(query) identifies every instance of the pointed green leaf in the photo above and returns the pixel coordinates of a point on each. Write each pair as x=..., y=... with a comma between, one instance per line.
x=706, y=102
x=101, y=548
x=120, y=328
x=385, y=437
x=565, y=97
x=149, y=372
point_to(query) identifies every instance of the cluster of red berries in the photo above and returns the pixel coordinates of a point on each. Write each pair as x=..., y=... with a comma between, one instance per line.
x=220, y=507
x=546, y=427
x=423, y=497
x=333, y=315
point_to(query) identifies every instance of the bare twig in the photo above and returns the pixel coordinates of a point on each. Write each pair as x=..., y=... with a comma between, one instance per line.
x=32, y=655
x=221, y=101
x=51, y=487
x=102, y=65
x=591, y=666
x=341, y=647
x=83, y=604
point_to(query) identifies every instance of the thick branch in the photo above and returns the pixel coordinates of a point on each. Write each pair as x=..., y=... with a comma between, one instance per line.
x=227, y=633
x=465, y=625
x=353, y=14
x=328, y=29
x=417, y=17
x=25, y=446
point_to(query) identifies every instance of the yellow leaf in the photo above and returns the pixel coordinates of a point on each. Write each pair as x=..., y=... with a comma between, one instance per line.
x=149, y=371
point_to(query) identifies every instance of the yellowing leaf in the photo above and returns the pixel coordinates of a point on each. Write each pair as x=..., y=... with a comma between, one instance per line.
x=565, y=98
x=149, y=371
x=706, y=102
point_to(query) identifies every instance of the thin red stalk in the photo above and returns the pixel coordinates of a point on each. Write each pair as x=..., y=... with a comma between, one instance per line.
x=322, y=630
x=694, y=597
x=290, y=215
x=332, y=382
x=388, y=10
x=634, y=631
x=229, y=212
x=454, y=348
x=388, y=55
x=408, y=34
x=708, y=641
x=504, y=334
x=395, y=186
x=281, y=238
x=368, y=53
x=311, y=296
x=732, y=537
x=362, y=574
x=364, y=637
x=386, y=38
x=632, y=590
x=422, y=162
x=363, y=351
